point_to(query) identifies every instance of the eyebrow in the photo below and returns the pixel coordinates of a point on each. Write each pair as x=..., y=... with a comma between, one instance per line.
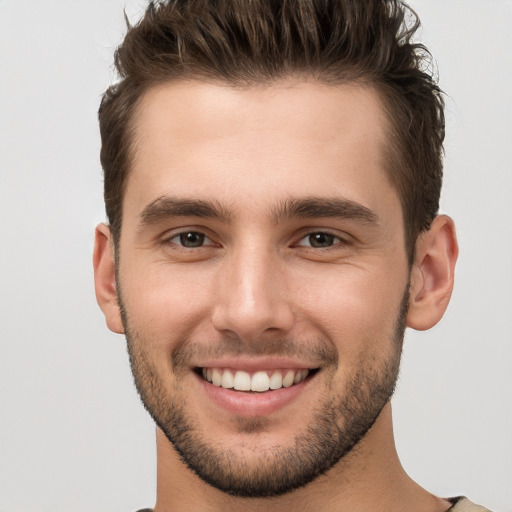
x=320, y=207
x=166, y=207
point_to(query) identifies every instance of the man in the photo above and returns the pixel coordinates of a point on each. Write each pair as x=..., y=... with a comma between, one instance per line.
x=272, y=180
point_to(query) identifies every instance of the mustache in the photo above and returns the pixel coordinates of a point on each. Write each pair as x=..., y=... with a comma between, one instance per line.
x=319, y=352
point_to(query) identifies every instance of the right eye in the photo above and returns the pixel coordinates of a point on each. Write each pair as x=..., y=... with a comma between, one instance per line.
x=191, y=239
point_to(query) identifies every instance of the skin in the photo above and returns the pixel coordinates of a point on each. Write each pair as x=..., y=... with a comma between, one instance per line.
x=257, y=284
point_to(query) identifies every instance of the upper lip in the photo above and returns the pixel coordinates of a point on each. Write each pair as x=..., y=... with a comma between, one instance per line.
x=255, y=364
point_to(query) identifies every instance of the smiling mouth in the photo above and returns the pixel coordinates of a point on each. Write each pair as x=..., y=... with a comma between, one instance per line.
x=260, y=381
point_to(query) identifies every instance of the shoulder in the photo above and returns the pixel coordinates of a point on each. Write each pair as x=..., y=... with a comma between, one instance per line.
x=462, y=504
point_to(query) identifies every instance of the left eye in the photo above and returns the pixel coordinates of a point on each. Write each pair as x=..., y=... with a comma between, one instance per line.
x=319, y=240
x=191, y=239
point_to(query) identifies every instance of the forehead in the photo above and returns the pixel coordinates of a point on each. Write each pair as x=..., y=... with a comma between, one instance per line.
x=286, y=139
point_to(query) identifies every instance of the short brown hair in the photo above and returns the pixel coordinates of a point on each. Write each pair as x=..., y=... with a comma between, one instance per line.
x=244, y=42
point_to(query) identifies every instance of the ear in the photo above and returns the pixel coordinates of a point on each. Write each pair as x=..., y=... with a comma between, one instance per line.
x=432, y=274
x=105, y=278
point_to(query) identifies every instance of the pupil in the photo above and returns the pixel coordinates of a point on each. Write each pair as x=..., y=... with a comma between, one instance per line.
x=321, y=240
x=192, y=239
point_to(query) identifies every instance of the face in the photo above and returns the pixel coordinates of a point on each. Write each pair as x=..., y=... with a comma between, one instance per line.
x=262, y=277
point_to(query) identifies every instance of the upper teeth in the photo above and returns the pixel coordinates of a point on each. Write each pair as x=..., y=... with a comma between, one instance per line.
x=259, y=381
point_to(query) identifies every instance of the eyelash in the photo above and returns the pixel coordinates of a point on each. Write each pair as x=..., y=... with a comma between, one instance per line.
x=334, y=239
x=183, y=234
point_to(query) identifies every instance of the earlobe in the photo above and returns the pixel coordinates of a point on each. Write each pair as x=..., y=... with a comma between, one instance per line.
x=432, y=274
x=105, y=278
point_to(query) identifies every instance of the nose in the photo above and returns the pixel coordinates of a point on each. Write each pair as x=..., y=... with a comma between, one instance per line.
x=253, y=298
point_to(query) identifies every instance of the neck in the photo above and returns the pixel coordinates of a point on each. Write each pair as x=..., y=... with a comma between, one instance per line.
x=368, y=479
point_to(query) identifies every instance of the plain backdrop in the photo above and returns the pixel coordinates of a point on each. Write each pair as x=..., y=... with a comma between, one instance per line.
x=73, y=435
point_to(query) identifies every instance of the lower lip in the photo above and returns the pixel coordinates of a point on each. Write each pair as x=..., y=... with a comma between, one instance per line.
x=252, y=404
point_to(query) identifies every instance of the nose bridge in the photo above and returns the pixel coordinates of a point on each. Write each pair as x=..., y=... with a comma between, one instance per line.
x=253, y=292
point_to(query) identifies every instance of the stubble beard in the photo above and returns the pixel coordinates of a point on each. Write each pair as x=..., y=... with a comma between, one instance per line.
x=336, y=428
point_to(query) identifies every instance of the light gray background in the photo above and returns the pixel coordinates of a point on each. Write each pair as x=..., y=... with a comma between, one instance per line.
x=73, y=434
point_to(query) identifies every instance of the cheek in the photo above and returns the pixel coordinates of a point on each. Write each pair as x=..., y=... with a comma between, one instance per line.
x=354, y=307
x=165, y=305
